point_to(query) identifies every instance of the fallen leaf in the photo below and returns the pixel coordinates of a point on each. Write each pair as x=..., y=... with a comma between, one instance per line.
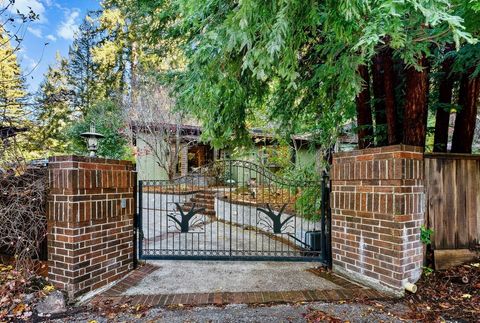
x=445, y=305
x=19, y=309
x=49, y=288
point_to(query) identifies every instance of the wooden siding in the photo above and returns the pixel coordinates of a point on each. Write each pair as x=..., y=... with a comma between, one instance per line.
x=452, y=183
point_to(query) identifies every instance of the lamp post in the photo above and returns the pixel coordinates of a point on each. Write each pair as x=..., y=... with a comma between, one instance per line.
x=92, y=138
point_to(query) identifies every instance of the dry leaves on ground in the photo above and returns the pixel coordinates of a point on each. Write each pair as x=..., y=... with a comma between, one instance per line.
x=448, y=294
x=111, y=308
x=452, y=294
x=314, y=316
x=19, y=292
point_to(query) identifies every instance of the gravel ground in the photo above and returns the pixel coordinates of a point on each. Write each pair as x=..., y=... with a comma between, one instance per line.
x=377, y=312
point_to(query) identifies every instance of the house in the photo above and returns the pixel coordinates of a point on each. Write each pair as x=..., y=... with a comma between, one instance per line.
x=189, y=153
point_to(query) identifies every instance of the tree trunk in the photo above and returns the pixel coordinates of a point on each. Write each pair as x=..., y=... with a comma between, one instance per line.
x=399, y=90
x=379, y=100
x=466, y=118
x=364, y=111
x=293, y=151
x=389, y=88
x=415, y=114
x=442, y=119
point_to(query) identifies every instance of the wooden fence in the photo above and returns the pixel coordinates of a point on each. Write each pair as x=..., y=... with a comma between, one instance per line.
x=452, y=184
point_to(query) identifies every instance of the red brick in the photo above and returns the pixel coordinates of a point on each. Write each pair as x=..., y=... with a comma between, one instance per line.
x=368, y=228
x=76, y=225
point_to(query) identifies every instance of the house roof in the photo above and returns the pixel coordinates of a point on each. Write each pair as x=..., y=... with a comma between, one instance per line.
x=195, y=131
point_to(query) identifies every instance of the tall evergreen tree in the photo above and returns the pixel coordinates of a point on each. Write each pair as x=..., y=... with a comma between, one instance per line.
x=13, y=111
x=54, y=110
x=12, y=87
x=82, y=69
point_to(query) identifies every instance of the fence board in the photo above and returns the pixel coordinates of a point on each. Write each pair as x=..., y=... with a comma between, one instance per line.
x=453, y=200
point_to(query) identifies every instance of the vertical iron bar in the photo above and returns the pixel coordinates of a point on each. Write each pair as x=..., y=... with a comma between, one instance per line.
x=148, y=215
x=328, y=231
x=135, y=221
x=154, y=216
x=160, y=198
x=231, y=209
x=140, y=220
x=323, y=244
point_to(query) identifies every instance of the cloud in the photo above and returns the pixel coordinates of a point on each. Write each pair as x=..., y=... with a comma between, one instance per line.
x=51, y=37
x=28, y=61
x=24, y=6
x=35, y=31
x=69, y=25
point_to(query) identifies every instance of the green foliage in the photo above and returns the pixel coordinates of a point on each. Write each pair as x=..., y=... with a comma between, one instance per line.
x=79, y=90
x=278, y=156
x=289, y=66
x=426, y=235
x=106, y=117
x=295, y=60
x=97, y=63
x=12, y=87
x=302, y=174
x=427, y=271
x=13, y=107
x=54, y=111
x=82, y=70
x=308, y=179
x=309, y=203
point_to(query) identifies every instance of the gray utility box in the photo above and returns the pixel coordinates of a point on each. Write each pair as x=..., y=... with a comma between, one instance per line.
x=314, y=240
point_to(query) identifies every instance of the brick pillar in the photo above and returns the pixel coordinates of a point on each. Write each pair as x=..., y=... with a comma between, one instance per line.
x=377, y=206
x=90, y=222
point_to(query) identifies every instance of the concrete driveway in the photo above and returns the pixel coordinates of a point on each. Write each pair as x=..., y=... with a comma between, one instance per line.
x=196, y=283
x=180, y=277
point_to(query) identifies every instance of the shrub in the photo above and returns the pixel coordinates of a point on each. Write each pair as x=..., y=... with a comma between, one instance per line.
x=23, y=214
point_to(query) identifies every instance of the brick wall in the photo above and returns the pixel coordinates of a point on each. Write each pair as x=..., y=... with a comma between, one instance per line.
x=377, y=203
x=90, y=222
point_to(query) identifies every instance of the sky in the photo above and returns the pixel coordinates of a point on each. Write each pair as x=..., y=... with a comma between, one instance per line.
x=56, y=26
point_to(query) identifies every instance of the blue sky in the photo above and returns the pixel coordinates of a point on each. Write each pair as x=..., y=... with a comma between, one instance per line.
x=59, y=19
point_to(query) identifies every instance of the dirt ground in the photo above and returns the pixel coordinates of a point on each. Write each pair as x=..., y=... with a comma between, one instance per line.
x=301, y=312
x=443, y=296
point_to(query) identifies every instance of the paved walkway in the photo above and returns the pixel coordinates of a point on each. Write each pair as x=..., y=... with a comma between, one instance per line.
x=184, y=277
x=202, y=283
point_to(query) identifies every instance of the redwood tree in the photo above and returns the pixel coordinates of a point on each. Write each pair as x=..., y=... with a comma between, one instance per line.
x=442, y=119
x=379, y=99
x=389, y=89
x=299, y=62
x=466, y=118
x=415, y=113
x=364, y=111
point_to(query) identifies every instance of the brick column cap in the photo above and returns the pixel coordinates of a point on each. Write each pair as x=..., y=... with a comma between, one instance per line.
x=378, y=150
x=95, y=160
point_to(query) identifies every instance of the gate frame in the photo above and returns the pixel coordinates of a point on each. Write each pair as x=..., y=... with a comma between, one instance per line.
x=325, y=257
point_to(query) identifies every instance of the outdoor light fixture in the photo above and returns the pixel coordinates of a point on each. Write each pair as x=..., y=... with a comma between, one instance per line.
x=92, y=138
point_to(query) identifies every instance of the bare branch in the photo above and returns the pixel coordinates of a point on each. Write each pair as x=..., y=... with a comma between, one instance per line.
x=153, y=121
x=23, y=214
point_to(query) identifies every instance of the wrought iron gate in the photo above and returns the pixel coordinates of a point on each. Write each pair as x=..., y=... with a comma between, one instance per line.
x=233, y=210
